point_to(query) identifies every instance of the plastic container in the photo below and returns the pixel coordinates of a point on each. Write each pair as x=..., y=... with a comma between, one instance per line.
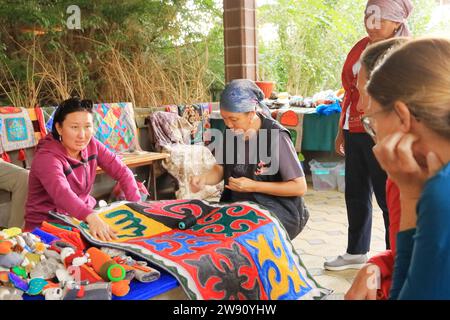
x=340, y=176
x=323, y=175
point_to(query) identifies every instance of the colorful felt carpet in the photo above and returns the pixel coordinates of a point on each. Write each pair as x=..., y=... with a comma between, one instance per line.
x=219, y=252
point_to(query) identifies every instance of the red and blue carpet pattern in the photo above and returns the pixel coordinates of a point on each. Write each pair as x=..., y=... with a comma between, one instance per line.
x=233, y=251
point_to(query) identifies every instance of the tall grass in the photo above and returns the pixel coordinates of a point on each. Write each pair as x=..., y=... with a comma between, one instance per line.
x=22, y=91
x=146, y=79
x=151, y=79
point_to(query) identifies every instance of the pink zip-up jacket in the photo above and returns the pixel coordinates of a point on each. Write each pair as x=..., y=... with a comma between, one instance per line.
x=60, y=183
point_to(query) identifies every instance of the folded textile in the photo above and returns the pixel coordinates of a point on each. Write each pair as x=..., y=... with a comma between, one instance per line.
x=327, y=109
x=169, y=128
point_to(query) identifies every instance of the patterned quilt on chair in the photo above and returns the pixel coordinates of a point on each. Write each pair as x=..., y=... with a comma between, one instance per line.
x=233, y=251
x=115, y=127
x=198, y=116
x=16, y=129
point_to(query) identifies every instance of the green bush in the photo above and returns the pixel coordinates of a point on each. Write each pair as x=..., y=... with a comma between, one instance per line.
x=313, y=39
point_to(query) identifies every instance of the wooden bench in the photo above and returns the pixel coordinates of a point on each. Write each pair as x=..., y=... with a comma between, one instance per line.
x=139, y=159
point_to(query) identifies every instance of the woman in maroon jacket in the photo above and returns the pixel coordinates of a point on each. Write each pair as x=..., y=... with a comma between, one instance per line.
x=64, y=168
x=384, y=19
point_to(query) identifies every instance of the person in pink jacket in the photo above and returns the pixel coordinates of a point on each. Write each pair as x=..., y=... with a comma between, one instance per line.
x=64, y=169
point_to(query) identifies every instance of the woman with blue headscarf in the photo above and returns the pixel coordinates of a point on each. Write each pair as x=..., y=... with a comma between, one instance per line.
x=256, y=158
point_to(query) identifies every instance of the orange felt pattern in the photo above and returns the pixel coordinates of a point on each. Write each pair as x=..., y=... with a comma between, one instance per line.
x=289, y=118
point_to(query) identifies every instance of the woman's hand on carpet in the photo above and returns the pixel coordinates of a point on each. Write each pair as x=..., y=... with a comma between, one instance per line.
x=100, y=229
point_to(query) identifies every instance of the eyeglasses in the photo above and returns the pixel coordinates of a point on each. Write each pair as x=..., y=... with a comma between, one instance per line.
x=367, y=122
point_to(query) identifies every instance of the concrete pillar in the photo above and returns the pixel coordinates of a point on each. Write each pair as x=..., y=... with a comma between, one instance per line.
x=239, y=18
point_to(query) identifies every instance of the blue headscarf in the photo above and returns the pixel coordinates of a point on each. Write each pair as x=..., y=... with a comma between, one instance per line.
x=242, y=95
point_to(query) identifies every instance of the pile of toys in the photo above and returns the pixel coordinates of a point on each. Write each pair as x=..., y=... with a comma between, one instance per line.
x=54, y=261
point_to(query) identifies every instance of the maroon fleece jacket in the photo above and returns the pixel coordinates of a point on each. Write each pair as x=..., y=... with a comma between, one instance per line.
x=60, y=183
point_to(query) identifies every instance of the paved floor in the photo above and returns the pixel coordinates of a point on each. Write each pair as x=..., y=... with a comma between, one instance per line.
x=325, y=236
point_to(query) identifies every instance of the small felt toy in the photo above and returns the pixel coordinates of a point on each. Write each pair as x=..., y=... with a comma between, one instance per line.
x=18, y=248
x=52, y=254
x=7, y=293
x=4, y=277
x=53, y=293
x=88, y=274
x=39, y=248
x=11, y=260
x=72, y=258
x=33, y=258
x=20, y=271
x=64, y=277
x=5, y=247
x=18, y=282
x=142, y=272
x=30, y=239
x=121, y=288
x=135, y=269
x=46, y=269
x=22, y=243
x=65, y=252
x=107, y=268
x=36, y=286
x=79, y=263
x=33, y=243
x=11, y=232
x=27, y=265
x=130, y=272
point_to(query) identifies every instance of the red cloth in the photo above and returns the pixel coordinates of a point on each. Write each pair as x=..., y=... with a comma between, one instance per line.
x=349, y=80
x=6, y=157
x=41, y=121
x=385, y=260
x=71, y=236
x=22, y=155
